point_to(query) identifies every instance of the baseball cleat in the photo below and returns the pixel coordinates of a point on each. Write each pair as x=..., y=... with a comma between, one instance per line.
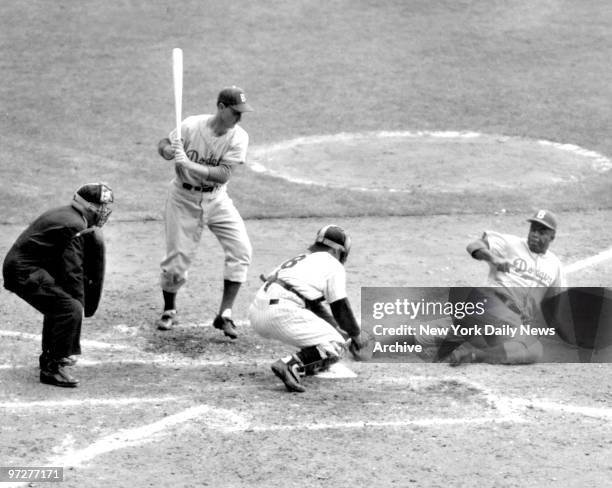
x=227, y=325
x=465, y=353
x=289, y=376
x=167, y=320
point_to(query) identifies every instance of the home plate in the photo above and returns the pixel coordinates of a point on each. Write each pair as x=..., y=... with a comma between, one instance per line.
x=337, y=370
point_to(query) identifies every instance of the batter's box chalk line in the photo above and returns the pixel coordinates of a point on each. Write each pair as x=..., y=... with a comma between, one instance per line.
x=228, y=421
x=336, y=371
x=85, y=342
x=508, y=406
x=506, y=411
x=231, y=421
x=215, y=418
x=87, y=403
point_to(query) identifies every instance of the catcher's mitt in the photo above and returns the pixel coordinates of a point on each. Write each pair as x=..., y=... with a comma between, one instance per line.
x=362, y=346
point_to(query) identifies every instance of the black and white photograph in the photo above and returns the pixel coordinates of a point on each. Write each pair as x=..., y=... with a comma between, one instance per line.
x=306, y=243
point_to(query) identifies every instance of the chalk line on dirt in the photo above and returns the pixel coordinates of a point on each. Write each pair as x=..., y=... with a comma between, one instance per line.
x=590, y=261
x=163, y=362
x=84, y=342
x=428, y=422
x=600, y=163
x=229, y=421
x=87, y=402
x=232, y=421
x=549, y=406
x=512, y=407
x=218, y=418
x=503, y=405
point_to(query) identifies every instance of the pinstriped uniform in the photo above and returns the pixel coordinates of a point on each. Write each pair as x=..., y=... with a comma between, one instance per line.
x=277, y=313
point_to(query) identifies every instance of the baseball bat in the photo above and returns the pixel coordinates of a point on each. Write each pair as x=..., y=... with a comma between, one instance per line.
x=177, y=77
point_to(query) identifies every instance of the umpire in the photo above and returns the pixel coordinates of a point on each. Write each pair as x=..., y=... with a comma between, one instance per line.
x=57, y=266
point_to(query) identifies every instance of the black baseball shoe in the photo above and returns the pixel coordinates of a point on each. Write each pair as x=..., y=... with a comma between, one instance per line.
x=56, y=375
x=168, y=319
x=227, y=325
x=288, y=375
x=43, y=359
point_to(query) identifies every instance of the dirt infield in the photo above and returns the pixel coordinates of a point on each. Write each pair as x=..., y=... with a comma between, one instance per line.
x=193, y=408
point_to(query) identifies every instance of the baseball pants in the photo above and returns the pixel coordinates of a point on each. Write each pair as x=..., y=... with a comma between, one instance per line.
x=499, y=311
x=187, y=212
x=291, y=324
x=63, y=314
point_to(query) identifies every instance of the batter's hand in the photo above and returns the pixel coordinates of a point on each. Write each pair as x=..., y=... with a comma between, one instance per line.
x=502, y=264
x=164, y=149
x=180, y=157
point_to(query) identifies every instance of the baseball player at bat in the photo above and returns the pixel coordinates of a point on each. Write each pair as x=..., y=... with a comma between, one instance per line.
x=522, y=273
x=289, y=307
x=212, y=145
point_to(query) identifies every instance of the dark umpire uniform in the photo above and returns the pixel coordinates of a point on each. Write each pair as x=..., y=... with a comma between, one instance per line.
x=57, y=266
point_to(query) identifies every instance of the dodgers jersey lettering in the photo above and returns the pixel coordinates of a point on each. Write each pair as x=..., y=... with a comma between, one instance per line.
x=204, y=147
x=314, y=275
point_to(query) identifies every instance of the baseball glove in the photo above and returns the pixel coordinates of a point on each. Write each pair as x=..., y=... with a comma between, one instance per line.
x=361, y=347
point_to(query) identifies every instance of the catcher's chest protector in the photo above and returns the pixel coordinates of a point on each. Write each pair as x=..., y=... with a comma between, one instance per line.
x=94, y=264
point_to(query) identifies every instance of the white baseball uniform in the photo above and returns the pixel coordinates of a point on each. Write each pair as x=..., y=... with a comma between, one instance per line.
x=277, y=313
x=193, y=203
x=530, y=275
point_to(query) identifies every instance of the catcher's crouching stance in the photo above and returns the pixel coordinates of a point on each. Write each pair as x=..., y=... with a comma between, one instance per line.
x=289, y=307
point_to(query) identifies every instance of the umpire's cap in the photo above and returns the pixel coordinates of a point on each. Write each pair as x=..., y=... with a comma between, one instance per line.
x=546, y=218
x=234, y=97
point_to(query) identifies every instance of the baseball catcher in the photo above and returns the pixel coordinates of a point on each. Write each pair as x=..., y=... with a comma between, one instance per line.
x=57, y=266
x=289, y=307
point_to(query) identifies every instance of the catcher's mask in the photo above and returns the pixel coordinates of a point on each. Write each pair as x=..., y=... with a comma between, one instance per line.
x=336, y=238
x=97, y=199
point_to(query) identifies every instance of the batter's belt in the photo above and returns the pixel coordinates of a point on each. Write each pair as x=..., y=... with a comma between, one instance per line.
x=203, y=189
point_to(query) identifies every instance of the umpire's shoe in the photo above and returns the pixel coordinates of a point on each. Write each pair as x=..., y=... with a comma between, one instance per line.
x=55, y=374
x=168, y=319
x=288, y=375
x=227, y=325
x=67, y=361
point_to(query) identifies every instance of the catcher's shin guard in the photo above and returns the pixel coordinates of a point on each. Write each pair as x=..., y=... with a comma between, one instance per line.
x=316, y=359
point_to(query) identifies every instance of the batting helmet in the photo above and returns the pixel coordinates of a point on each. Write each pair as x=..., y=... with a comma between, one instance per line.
x=336, y=238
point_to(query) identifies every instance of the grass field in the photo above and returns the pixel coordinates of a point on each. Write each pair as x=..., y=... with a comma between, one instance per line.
x=87, y=93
